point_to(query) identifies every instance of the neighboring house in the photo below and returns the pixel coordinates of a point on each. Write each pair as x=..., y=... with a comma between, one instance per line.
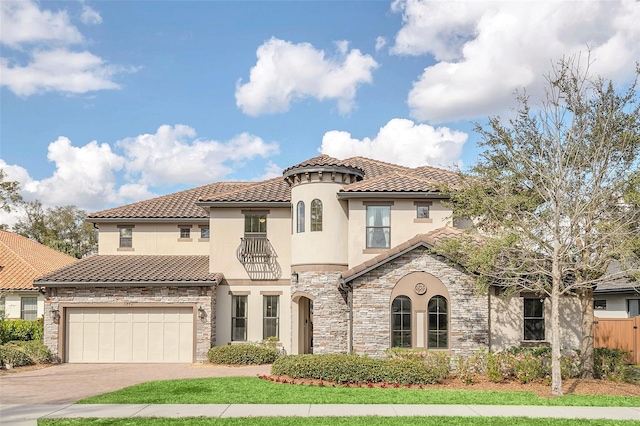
x=332, y=257
x=21, y=262
x=618, y=297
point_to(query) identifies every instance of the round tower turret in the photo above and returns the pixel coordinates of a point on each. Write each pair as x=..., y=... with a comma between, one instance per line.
x=320, y=220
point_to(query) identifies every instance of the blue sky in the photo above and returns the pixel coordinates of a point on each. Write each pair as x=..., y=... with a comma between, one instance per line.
x=105, y=103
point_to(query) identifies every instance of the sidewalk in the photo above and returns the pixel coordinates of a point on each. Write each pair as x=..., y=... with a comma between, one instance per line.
x=27, y=415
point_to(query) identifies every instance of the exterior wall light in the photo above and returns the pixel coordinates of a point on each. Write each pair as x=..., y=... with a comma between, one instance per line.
x=55, y=315
x=202, y=313
x=294, y=277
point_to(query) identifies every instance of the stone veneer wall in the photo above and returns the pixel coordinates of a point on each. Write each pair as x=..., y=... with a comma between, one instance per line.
x=469, y=313
x=131, y=296
x=330, y=311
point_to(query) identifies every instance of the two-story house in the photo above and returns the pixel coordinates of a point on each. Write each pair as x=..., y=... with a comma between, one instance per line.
x=332, y=257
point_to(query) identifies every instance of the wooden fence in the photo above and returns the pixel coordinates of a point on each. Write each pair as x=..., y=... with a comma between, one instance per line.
x=619, y=333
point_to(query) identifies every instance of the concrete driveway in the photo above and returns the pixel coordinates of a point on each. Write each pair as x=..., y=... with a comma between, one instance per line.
x=67, y=383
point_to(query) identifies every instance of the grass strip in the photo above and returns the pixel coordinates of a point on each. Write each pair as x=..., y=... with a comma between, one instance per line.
x=337, y=421
x=251, y=390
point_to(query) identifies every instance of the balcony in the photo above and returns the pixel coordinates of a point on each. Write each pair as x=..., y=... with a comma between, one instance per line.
x=259, y=258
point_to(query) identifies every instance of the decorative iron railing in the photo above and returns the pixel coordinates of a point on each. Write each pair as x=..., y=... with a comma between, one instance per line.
x=258, y=258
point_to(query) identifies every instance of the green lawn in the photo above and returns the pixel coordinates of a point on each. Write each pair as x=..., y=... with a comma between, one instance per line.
x=339, y=421
x=252, y=390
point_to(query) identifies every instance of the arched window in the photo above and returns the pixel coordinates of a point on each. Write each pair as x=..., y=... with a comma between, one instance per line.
x=316, y=215
x=401, y=322
x=300, y=223
x=438, y=334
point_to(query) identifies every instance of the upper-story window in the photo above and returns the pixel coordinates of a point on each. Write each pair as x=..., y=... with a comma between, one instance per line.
x=378, y=226
x=422, y=212
x=185, y=232
x=316, y=215
x=204, y=232
x=255, y=223
x=300, y=217
x=126, y=237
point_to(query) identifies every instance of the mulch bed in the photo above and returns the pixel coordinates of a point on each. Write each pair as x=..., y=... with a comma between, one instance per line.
x=540, y=388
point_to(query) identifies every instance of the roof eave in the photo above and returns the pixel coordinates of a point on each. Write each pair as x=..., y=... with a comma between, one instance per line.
x=386, y=260
x=245, y=204
x=146, y=219
x=395, y=194
x=617, y=290
x=125, y=283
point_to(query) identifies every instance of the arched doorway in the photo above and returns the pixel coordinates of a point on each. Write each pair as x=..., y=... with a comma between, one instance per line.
x=302, y=323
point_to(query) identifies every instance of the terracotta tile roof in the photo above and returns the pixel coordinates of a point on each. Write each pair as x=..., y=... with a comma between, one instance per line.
x=437, y=175
x=143, y=269
x=23, y=260
x=374, y=168
x=321, y=160
x=178, y=205
x=427, y=240
x=393, y=182
x=272, y=190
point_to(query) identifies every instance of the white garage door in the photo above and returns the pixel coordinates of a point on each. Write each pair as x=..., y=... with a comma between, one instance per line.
x=129, y=334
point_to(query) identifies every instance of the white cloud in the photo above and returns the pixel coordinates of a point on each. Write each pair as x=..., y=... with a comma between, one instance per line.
x=286, y=72
x=486, y=50
x=271, y=170
x=52, y=65
x=174, y=155
x=380, y=43
x=23, y=22
x=402, y=142
x=83, y=176
x=59, y=70
x=90, y=15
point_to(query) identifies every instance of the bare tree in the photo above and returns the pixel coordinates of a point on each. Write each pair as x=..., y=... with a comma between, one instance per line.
x=550, y=193
x=9, y=195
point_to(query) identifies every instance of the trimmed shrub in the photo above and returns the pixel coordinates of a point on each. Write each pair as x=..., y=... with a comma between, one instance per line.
x=36, y=350
x=611, y=364
x=15, y=355
x=243, y=354
x=343, y=368
x=17, y=329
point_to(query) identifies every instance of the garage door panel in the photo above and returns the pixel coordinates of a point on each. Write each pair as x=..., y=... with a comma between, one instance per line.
x=130, y=334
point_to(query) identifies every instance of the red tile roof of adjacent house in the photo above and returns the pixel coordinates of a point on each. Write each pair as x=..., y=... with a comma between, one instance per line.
x=23, y=260
x=429, y=239
x=134, y=270
x=393, y=182
x=178, y=205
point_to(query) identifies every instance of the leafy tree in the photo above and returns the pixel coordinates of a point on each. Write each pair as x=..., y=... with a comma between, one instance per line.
x=552, y=196
x=61, y=228
x=9, y=195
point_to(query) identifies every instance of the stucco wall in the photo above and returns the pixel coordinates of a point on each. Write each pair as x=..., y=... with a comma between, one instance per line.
x=468, y=312
x=404, y=225
x=227, y=227
x=616, y=305
x=13, y=303
x=61, y=298
x=507, y=322
x=153, y=239
x=329, y=246
x=255, y=294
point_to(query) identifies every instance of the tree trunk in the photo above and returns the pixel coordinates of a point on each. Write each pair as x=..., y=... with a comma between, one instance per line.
x=586, y=343
x=556, y=374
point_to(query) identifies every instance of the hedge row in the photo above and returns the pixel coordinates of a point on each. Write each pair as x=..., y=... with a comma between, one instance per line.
x=21, y=330
x=243, y=354
x=21, y=353
x=343, y=368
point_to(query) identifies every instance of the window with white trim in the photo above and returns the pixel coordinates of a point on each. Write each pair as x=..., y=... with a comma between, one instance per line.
x=126, y=237
x=378, y=226
x=238, y=318
x=271, y=316
x=316, y=215
x=29, y=308
x=300, y=217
